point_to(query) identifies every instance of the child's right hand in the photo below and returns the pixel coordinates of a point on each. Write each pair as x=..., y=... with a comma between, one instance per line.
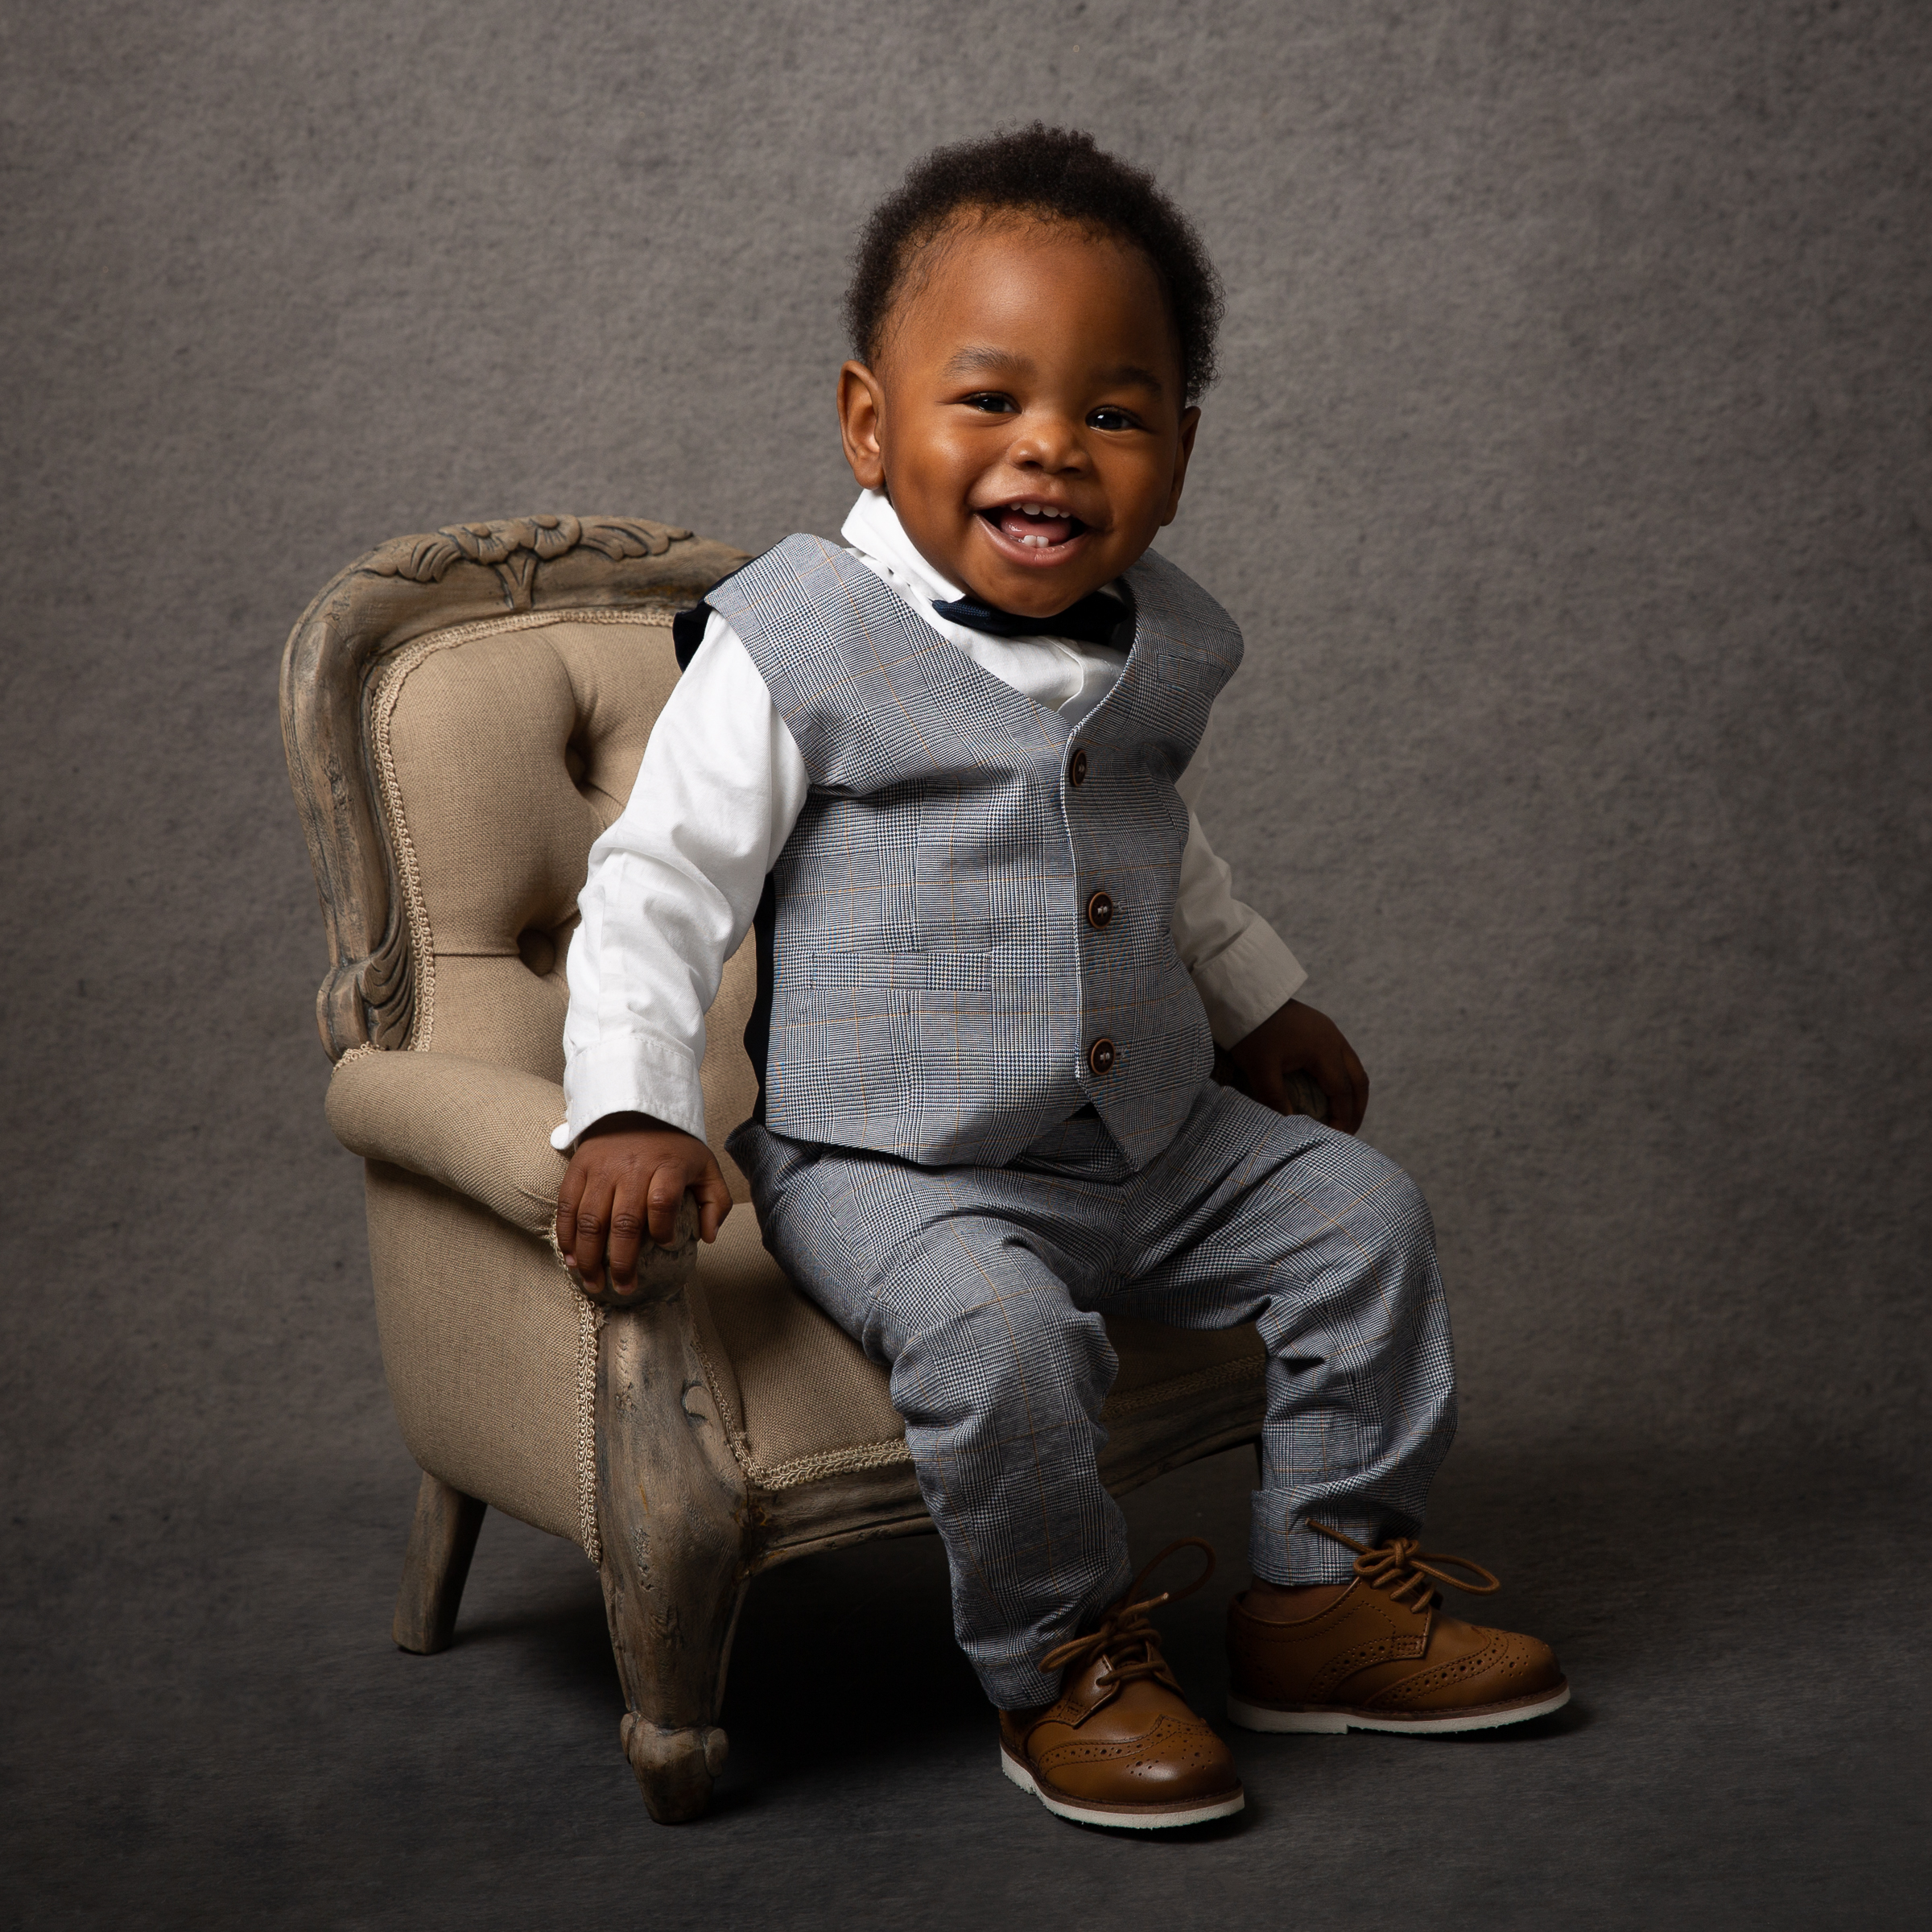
x=627, y=1178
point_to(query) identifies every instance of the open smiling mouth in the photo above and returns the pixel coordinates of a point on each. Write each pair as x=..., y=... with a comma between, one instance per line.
x=1034, y=526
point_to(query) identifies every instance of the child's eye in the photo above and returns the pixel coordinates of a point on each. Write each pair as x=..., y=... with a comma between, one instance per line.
x=991, y=401
x=1110, y=418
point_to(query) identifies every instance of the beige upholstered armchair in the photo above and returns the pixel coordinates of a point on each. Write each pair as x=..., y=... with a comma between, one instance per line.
x=463, y=713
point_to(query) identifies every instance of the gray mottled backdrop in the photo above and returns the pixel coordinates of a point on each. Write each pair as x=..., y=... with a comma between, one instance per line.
x=1570, y=474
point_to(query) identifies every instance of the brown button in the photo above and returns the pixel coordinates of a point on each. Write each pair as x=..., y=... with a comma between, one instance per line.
x=1100, y=1056
x=1099, y=910
x=1076, y=771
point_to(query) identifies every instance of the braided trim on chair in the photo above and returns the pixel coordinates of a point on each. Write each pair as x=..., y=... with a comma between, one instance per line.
x=804, y=1469
x=801, y=1469
x=590, y=1319
x=422, y=941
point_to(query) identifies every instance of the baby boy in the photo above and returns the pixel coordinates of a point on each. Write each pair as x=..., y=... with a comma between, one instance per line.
x=948, y=772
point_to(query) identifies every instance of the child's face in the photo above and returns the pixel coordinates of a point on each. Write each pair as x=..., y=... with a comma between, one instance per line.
x=1033, y=369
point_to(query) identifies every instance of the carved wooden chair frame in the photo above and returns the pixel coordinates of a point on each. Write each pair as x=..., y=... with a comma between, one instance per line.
x=681, y=1529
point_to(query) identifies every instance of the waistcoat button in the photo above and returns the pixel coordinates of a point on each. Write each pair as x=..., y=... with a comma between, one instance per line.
x=1100, y=1056
x=1076, y=771
x=1099, y=910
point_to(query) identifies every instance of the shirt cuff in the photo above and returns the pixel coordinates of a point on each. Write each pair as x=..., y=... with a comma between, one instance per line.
x=1252, y=976
x=635, y=1075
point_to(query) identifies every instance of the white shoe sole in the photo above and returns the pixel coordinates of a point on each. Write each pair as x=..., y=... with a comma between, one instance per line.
x=1331, y=1722
x=1122, y=1818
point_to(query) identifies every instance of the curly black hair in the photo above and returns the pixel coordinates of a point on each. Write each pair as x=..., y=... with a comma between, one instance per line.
x=1056, y=173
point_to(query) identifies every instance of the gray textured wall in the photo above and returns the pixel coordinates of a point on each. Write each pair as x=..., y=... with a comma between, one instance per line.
x=1569, y=474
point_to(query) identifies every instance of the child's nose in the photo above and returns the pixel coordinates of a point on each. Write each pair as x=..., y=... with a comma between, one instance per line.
x=1048, y=442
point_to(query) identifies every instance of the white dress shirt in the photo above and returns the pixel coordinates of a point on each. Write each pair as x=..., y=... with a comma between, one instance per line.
x=674, y=882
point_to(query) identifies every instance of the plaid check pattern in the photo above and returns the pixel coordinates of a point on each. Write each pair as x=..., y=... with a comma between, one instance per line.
x=983, y=1288
x=935, y=988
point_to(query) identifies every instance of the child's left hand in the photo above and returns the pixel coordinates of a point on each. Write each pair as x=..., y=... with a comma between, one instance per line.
x=1295, y=1038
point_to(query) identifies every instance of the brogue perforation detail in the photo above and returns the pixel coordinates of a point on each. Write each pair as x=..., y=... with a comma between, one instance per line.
x=1196, y=1740
x=1458, y=1671
x=1378, y=1650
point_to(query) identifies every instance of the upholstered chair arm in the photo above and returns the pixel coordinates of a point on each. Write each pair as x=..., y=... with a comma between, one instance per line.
x=483, y=1131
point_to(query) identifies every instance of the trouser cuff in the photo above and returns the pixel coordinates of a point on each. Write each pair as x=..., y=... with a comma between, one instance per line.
x=1016, y=1682
x=1283, y=1549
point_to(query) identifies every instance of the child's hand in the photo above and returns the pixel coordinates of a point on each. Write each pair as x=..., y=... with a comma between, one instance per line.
x=1296, y=1039
x=628, y=1176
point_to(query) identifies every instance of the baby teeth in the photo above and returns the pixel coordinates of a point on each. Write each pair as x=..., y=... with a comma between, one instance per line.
x=1035, y=539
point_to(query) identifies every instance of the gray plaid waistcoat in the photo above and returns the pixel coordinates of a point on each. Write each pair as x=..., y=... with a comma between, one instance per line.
x=935, y=987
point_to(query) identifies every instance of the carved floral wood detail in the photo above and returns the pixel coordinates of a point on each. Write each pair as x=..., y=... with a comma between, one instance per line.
x=513, y=546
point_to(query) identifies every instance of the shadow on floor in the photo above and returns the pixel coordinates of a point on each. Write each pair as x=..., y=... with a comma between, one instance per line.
x=231, y=1738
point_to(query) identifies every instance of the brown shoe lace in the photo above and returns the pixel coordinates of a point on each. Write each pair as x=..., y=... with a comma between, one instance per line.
x=1401, y=1568
x=1125, y=1629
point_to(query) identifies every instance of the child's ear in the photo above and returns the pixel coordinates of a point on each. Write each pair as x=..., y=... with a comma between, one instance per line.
x=861, y=411
x=1190, y=421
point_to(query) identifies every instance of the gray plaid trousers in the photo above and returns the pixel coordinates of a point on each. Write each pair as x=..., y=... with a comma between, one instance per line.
x=982, y=1289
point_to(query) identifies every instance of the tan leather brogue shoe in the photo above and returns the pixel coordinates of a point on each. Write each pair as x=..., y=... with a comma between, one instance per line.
x=1119, y=1746
x=1384, y=1656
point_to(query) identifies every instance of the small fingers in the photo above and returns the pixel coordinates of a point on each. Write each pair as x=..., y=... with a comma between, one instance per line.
x=592, y=1224
x=626, y=1239
x=714, y=1204
x=666, y=1196
x=568, y=1196
x=1344, y=1105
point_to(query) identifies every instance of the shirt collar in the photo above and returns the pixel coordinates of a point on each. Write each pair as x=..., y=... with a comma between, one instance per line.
x=874, y=529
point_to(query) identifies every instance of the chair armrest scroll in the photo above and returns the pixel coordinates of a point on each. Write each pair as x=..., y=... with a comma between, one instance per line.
x=483, y=1131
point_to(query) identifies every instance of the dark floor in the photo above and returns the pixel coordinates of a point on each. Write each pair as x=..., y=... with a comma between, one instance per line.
x=212, y=1729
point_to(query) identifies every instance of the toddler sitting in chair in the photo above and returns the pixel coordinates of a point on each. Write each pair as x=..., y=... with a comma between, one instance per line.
x=948, y=772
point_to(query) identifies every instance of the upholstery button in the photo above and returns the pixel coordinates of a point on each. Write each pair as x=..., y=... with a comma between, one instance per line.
x=1099, y=910
x=1100, y=1056
x=1076, y=771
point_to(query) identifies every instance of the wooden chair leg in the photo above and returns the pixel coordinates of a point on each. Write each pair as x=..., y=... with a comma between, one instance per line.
x=673, y=1517
x=442, y=1540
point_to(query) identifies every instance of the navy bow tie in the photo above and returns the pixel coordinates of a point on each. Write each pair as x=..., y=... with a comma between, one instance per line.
x=1094, y=620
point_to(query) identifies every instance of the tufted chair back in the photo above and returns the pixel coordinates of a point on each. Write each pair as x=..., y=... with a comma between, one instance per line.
x=502, y=749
